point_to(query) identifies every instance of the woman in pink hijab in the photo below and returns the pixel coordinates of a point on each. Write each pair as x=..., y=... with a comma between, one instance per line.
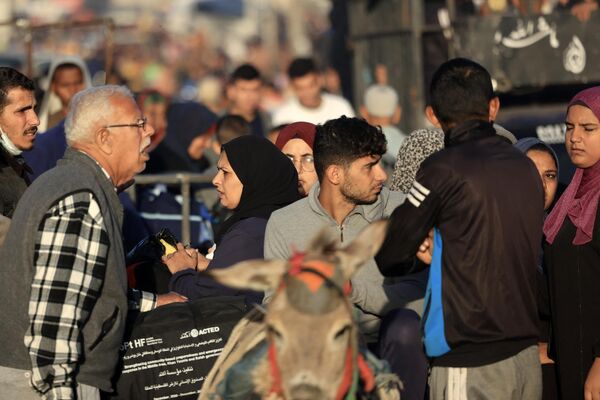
x=572, y=256
x=296, y=141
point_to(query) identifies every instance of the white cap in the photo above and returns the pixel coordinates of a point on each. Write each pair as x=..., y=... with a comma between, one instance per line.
x=381, y=100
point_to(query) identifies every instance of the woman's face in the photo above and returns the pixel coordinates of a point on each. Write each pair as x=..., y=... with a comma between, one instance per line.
x=300, y=153
x=582, y=137
x=227, y=183
x=548, y=170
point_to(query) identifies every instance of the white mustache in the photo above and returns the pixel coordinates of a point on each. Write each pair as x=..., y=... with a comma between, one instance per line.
x=145, y=144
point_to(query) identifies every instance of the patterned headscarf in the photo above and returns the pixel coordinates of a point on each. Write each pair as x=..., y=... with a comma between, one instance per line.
x=419, y=145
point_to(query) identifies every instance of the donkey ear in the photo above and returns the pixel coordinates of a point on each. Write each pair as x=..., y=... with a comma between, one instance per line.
x=259, y=275
x=322, y=243
x=363, y=247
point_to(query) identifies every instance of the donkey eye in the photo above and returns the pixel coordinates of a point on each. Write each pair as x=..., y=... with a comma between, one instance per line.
x=275, y=336
x=342, y=332
x=272, y=331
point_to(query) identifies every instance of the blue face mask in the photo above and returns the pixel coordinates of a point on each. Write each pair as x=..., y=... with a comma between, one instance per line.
x=8, y=144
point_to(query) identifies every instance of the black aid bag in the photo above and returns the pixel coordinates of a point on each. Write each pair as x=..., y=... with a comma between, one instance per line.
x=169, y=351
x=145, y=269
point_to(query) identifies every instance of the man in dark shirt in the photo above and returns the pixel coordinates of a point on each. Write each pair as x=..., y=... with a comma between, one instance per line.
x=485, y=202
x=18, y=129
x=244, y=93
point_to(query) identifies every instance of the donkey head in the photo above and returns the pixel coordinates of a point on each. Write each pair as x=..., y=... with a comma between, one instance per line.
x=309, y=324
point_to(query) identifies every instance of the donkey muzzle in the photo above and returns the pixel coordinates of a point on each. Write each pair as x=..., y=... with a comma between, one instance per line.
x=306, y=392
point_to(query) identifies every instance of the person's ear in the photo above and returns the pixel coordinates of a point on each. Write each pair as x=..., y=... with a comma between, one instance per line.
x=494, y=107
x=321, y=80
x=432, y=117
x=230, y=92
x=334, y=174
x=105, y=141
x=397, y=115
x=196, y=147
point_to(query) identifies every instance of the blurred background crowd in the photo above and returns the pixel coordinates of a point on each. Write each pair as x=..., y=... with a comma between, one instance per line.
x=194, y=61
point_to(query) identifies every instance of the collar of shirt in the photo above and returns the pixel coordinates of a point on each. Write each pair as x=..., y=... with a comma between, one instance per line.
x=105, y=172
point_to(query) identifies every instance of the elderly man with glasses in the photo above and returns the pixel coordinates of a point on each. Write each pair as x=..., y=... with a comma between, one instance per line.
x=65, y=296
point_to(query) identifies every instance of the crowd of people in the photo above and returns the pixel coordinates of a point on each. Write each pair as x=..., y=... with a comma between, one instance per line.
x=483, y=288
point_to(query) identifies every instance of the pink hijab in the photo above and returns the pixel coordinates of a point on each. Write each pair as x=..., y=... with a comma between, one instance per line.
x=580, y=200
x=296, y=130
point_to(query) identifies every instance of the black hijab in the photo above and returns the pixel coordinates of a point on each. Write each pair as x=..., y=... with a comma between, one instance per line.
x=269, y=178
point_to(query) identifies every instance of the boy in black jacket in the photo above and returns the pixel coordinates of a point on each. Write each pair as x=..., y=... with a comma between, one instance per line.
x=485, y=201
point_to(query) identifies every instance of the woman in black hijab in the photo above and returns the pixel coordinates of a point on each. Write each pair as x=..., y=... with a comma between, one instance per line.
x=254, y=179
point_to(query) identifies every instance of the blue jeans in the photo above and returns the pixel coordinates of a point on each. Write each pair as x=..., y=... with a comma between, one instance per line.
x=400, y=344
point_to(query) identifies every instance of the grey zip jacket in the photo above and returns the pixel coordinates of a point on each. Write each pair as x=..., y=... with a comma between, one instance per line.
x=293, y=227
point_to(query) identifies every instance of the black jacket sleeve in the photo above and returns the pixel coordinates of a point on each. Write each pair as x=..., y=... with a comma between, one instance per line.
x=411, y=222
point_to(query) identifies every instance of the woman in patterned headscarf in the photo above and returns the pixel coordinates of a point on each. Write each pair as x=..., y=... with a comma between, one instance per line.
x=420, y=144
x=572, y=256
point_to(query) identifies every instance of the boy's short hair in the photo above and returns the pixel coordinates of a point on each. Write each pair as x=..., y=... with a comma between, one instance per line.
x=461, y=90
x=301, y=67
x=229, y=127
x=245, y=72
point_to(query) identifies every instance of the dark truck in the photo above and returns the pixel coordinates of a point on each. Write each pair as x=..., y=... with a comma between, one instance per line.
x=538, y=62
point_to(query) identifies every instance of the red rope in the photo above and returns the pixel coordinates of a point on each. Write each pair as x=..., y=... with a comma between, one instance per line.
x=366, y=374
x=296, y=261
x=276, y=387
x=347, y=379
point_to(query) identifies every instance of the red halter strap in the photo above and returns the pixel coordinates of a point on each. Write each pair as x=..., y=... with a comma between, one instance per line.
x=366, y=373
x=298, y=266
x=276, y=387
x=348, y=375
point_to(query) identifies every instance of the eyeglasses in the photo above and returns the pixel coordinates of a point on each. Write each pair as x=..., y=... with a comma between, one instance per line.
x=307, y=162
x=141, y=123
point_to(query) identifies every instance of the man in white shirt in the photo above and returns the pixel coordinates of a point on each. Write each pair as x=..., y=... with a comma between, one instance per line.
x=309, y=103
x=381, y=108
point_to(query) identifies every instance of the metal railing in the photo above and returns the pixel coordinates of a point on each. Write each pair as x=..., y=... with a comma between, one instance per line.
x=27, y=30
x=184, y=180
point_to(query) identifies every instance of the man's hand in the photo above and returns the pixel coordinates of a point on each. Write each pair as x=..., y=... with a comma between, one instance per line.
x=591, y=388
x=168, y=298
x=425, y=252
x=543, y=353
x=583, y=11
x=182, y=259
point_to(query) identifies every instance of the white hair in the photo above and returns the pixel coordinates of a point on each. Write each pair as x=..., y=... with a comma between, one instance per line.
x=89, y=108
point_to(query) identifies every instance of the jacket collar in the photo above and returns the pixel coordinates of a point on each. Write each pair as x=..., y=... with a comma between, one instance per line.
x=17, y=163
x=370, y=212
x=467, y=131
x=103, y=178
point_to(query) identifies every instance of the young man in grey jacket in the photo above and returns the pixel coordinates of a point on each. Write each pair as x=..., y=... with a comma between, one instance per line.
x=349, y=196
